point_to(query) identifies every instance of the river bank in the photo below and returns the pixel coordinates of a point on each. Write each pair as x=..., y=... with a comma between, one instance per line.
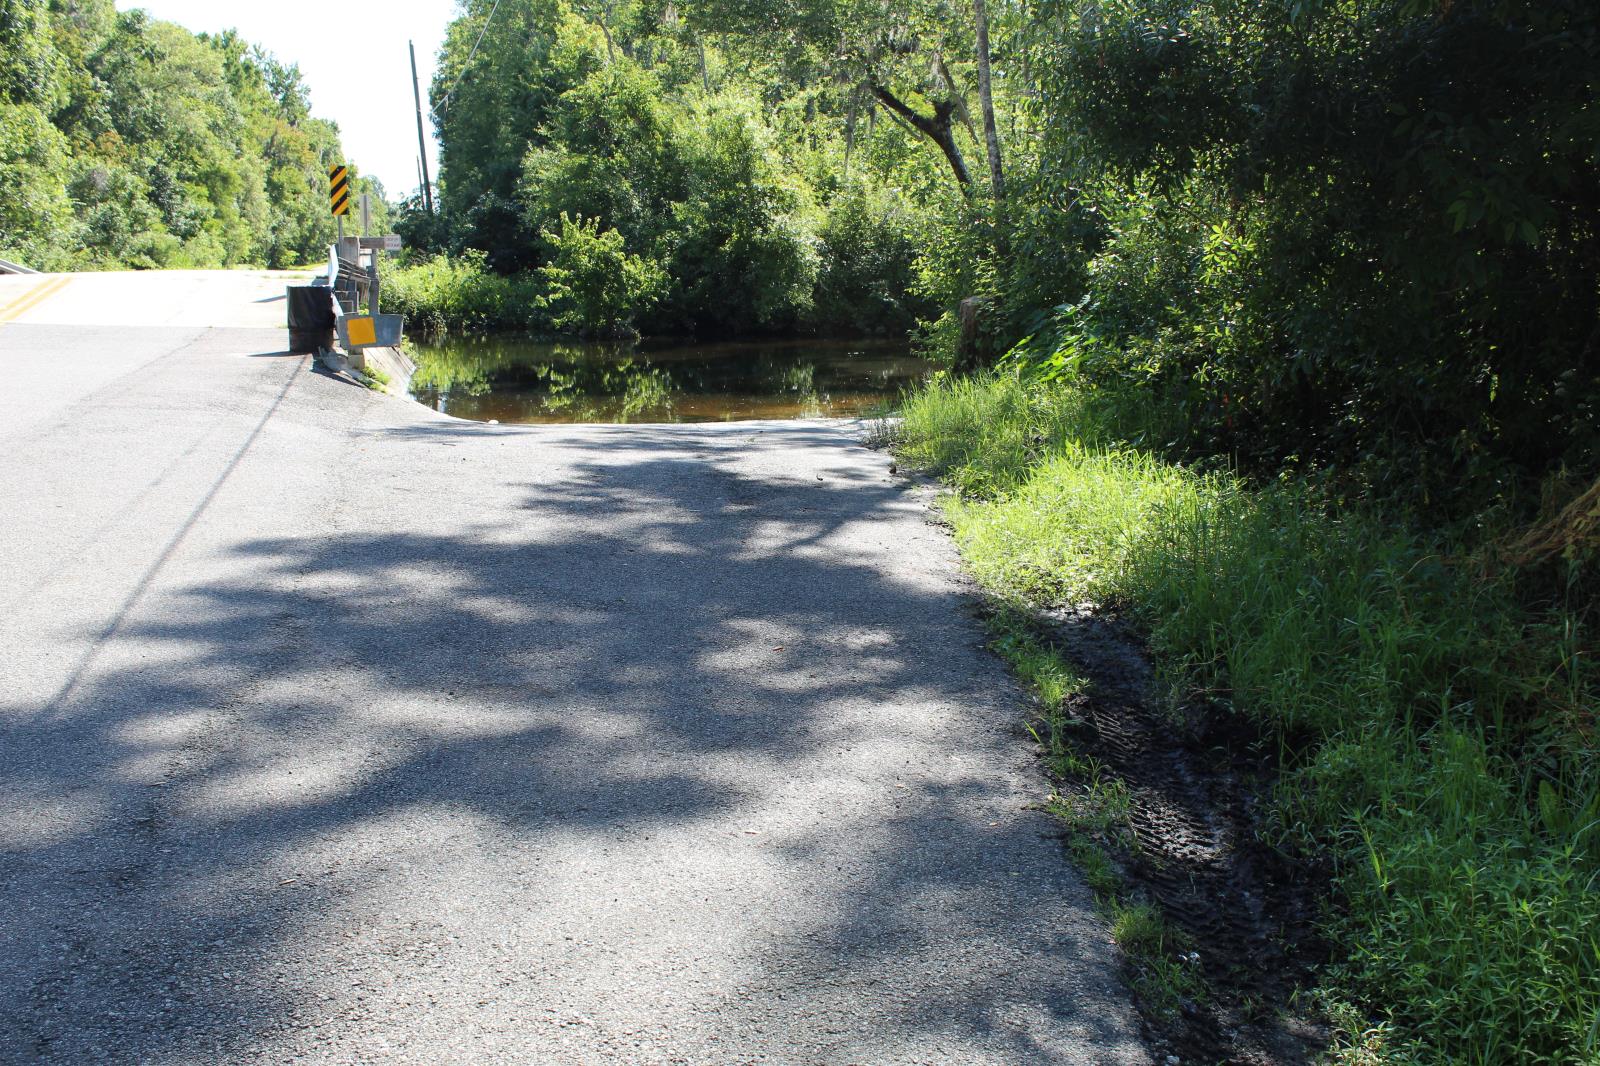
x=1421, y=732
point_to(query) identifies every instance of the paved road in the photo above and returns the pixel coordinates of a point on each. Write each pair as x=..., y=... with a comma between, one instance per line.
x=338, y=731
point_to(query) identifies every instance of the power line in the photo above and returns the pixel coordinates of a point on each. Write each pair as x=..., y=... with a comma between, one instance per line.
x=467, y=65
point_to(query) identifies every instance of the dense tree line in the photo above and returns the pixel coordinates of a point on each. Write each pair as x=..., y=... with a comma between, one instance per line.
x=1331, y=231
x=1289, y=232
x=741, y=188
x=129, y=142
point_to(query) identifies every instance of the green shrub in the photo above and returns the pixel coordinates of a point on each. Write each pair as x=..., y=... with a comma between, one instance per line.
x=461, y=293
x=741, y=257
x=1360, y=289
x=615, y=155
x=867, y=257
x=596, y=288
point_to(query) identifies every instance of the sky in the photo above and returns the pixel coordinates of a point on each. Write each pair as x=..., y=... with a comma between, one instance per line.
x=353, y=57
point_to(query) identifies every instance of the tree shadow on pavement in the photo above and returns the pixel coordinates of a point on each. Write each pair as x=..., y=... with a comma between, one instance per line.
x=663, y=677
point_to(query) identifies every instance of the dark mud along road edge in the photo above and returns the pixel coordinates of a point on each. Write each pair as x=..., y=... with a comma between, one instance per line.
x=1194, y=782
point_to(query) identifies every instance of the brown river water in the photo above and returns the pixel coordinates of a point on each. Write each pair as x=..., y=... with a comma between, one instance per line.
x=518, y=380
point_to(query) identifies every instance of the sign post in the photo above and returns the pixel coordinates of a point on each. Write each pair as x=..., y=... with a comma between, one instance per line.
x=353, y=273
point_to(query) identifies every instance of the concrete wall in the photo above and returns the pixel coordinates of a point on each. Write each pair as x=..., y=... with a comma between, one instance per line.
x=395, y=365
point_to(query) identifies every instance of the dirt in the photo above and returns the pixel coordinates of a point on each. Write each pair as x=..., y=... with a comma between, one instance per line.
x=1200, y=778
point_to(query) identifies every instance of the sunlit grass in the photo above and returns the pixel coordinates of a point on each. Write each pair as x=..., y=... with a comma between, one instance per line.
x=1430, y=724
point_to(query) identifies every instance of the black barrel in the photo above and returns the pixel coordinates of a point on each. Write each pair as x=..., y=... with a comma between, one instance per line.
x=310, y=318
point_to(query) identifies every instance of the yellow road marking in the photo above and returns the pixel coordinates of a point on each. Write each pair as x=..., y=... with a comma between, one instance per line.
x=32, y=298
x=27, y=291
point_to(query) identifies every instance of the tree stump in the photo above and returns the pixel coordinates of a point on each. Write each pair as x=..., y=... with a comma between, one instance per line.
x=971, y=351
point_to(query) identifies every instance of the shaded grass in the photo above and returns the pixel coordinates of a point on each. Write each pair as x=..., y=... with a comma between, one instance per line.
x=1437, y=732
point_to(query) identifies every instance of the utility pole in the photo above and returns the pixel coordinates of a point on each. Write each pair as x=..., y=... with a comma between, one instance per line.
x=422, y=144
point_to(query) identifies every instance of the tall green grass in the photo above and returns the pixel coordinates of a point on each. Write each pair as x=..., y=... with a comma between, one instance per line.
x=1435, y=730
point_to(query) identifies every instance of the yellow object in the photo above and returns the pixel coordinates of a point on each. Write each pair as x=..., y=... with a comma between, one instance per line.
x=361, y=331
x=339, y=190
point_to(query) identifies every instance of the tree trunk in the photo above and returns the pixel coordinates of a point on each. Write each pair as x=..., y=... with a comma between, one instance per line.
x=938, y=129
x=991, y=136
x=956, y=95
x=849, y=135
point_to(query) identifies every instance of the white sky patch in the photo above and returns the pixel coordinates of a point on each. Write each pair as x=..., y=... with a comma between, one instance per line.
x=353, y=57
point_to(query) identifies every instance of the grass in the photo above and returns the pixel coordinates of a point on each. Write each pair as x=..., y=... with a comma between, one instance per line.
x=1437, y=731
x=1163, y=974
x=1100, y=805
x=376, y=379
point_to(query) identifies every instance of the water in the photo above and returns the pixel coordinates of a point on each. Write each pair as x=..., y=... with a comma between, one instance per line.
x=518, y=380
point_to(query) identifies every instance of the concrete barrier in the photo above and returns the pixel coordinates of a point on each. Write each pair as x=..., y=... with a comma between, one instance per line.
x=385, y=369
x=394, y=366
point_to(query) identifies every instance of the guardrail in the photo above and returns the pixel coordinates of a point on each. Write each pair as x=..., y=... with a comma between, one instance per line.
x=14, y=268
x=330, y=307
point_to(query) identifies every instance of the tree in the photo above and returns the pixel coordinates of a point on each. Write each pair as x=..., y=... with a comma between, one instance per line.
x=496, y=88
x=991, y=135
x=126, y=141
x=896, y=51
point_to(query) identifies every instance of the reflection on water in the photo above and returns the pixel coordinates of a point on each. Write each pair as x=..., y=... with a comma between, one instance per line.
x=517, y=380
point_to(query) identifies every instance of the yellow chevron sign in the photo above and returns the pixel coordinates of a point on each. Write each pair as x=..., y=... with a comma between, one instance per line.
x=339, y=189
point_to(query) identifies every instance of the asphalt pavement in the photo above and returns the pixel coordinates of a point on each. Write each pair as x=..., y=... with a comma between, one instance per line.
x=334, y=730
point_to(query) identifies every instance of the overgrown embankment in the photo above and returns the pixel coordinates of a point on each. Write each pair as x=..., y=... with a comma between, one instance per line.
x=1430, y=722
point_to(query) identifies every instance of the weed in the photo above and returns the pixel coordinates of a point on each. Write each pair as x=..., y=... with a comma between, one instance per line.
x=1095, y=805
x=1165, y=971
x=1052, y=683
x=1356, y=1040
x=1098, y=871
